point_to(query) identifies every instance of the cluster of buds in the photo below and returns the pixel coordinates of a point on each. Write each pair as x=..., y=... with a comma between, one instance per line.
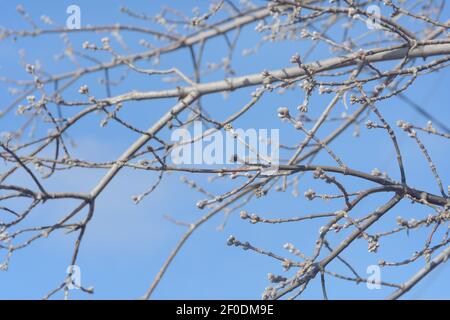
x=143, y=162
x=275, y=278
x=292, y=249
x=429, y=128
x=232, y=241
x=404, y=125
x=31, y=99
x=84, y=89
x=303, y=107
x=259, y=192
x=296, y=59
x=373, y=244
x=105, y=43
x=354, y=99
x=323, y=89
x=407, y=127
x=21, y=109
x=267, y=79
x=258, y=92
x=310, y=194
x=318, y=173
x=269, y=293
x=29, y=68
x=307, y=85
x=253, y=218
x=47, y=20
x=376, y=172
x=228, y=127
x=283, y=113
x=90, y=46
x=304, y=34
x=372, y=125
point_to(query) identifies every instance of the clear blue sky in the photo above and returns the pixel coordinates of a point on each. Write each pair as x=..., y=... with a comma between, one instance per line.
x=125, y=244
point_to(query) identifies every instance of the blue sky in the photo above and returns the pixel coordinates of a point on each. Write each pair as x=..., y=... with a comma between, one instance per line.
x=126, y=244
